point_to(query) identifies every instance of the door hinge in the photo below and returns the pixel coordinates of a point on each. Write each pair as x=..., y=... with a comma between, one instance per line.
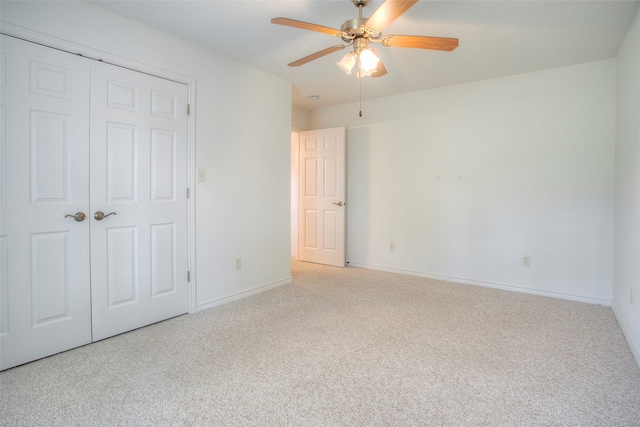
x=188, y=276
x=188, y=192
x=188, y=109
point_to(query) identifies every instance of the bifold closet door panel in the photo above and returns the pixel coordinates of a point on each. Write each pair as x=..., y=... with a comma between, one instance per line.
x=139, y=251
x=45, y=303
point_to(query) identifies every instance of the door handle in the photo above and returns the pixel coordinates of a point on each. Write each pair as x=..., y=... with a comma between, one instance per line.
x=100, y=215
x=337, y=203
x=79, y=216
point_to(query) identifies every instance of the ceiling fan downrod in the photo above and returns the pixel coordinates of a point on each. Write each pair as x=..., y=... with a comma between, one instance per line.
x=360, y=4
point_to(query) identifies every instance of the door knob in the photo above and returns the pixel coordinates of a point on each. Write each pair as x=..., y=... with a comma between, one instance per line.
x=79, y=216
x=338, y=203
x=99, y=215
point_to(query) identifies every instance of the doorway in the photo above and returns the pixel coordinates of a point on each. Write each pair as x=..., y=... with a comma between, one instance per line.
x=319, y=196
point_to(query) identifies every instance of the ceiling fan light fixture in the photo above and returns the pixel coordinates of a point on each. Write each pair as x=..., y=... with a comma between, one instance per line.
x=347, y=62
x=368, y=62
x=365, y=73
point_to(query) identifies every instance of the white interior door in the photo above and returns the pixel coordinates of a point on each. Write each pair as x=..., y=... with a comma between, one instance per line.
x=44, y=170
x=322, y=187
x=139, y=259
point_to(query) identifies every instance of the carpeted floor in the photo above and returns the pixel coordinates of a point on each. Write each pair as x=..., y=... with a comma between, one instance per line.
x=345, y=347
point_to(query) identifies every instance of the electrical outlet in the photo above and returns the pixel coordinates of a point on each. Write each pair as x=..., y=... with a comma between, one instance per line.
x=392, y=246
x=526, y=261
x=202, y=175
x=238, y=263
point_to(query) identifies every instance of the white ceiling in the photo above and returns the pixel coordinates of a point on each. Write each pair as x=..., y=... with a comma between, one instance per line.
x=497, y=38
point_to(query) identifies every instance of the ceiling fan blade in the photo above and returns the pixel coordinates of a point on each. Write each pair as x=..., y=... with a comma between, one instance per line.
x=305, y=26
x=388, y=12
x=421, y=42
x=380, y=69
x=316, y=55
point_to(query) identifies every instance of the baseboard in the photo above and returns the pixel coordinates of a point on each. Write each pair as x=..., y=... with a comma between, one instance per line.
x=634, y=346
x=253, y=291
x=494, y=285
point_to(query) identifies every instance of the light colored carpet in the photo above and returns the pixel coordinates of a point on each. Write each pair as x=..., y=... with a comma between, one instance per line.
x=346, y=347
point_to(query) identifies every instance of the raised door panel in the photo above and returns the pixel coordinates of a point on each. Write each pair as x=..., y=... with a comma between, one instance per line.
x=50, y=270
x=49, y=165
x=164, y=105
x=163, y=165
x=122, y=266
x=330, y=177
x=330, y=222
x=311, y=178
x=164, y=269
x=312, y=191
x=331, y=192
x=46, y=79
x=311, y=229
x=121, y=163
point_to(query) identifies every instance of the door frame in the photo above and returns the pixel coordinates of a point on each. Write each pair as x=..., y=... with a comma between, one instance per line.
x=295, y=178
x=76, y=49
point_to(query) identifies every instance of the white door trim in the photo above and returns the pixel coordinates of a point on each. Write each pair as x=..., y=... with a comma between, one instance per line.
x=295, y=178
x=74, y=48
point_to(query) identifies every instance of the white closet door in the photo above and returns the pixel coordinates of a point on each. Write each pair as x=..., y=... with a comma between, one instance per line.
x=139, y=173
x=44, y=175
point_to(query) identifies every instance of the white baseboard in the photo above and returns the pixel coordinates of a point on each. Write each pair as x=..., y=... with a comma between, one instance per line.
x=494, y=285
x=634, y=346
x=253, y=291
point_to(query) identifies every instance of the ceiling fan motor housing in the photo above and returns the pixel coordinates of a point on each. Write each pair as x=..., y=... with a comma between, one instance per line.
x=356, y=29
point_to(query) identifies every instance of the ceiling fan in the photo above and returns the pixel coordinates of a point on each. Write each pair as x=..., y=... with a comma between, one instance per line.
x=360, y=33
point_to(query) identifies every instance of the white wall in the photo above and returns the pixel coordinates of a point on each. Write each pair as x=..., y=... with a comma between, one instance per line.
x=467, y=179
x=627, y=197
x=242, y=132
x=300, y=119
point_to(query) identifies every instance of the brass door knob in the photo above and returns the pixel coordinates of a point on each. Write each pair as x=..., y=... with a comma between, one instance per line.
x=99, y=215
x=79, y=216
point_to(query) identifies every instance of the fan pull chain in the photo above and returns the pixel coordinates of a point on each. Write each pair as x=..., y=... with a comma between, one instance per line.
x=360, y=80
